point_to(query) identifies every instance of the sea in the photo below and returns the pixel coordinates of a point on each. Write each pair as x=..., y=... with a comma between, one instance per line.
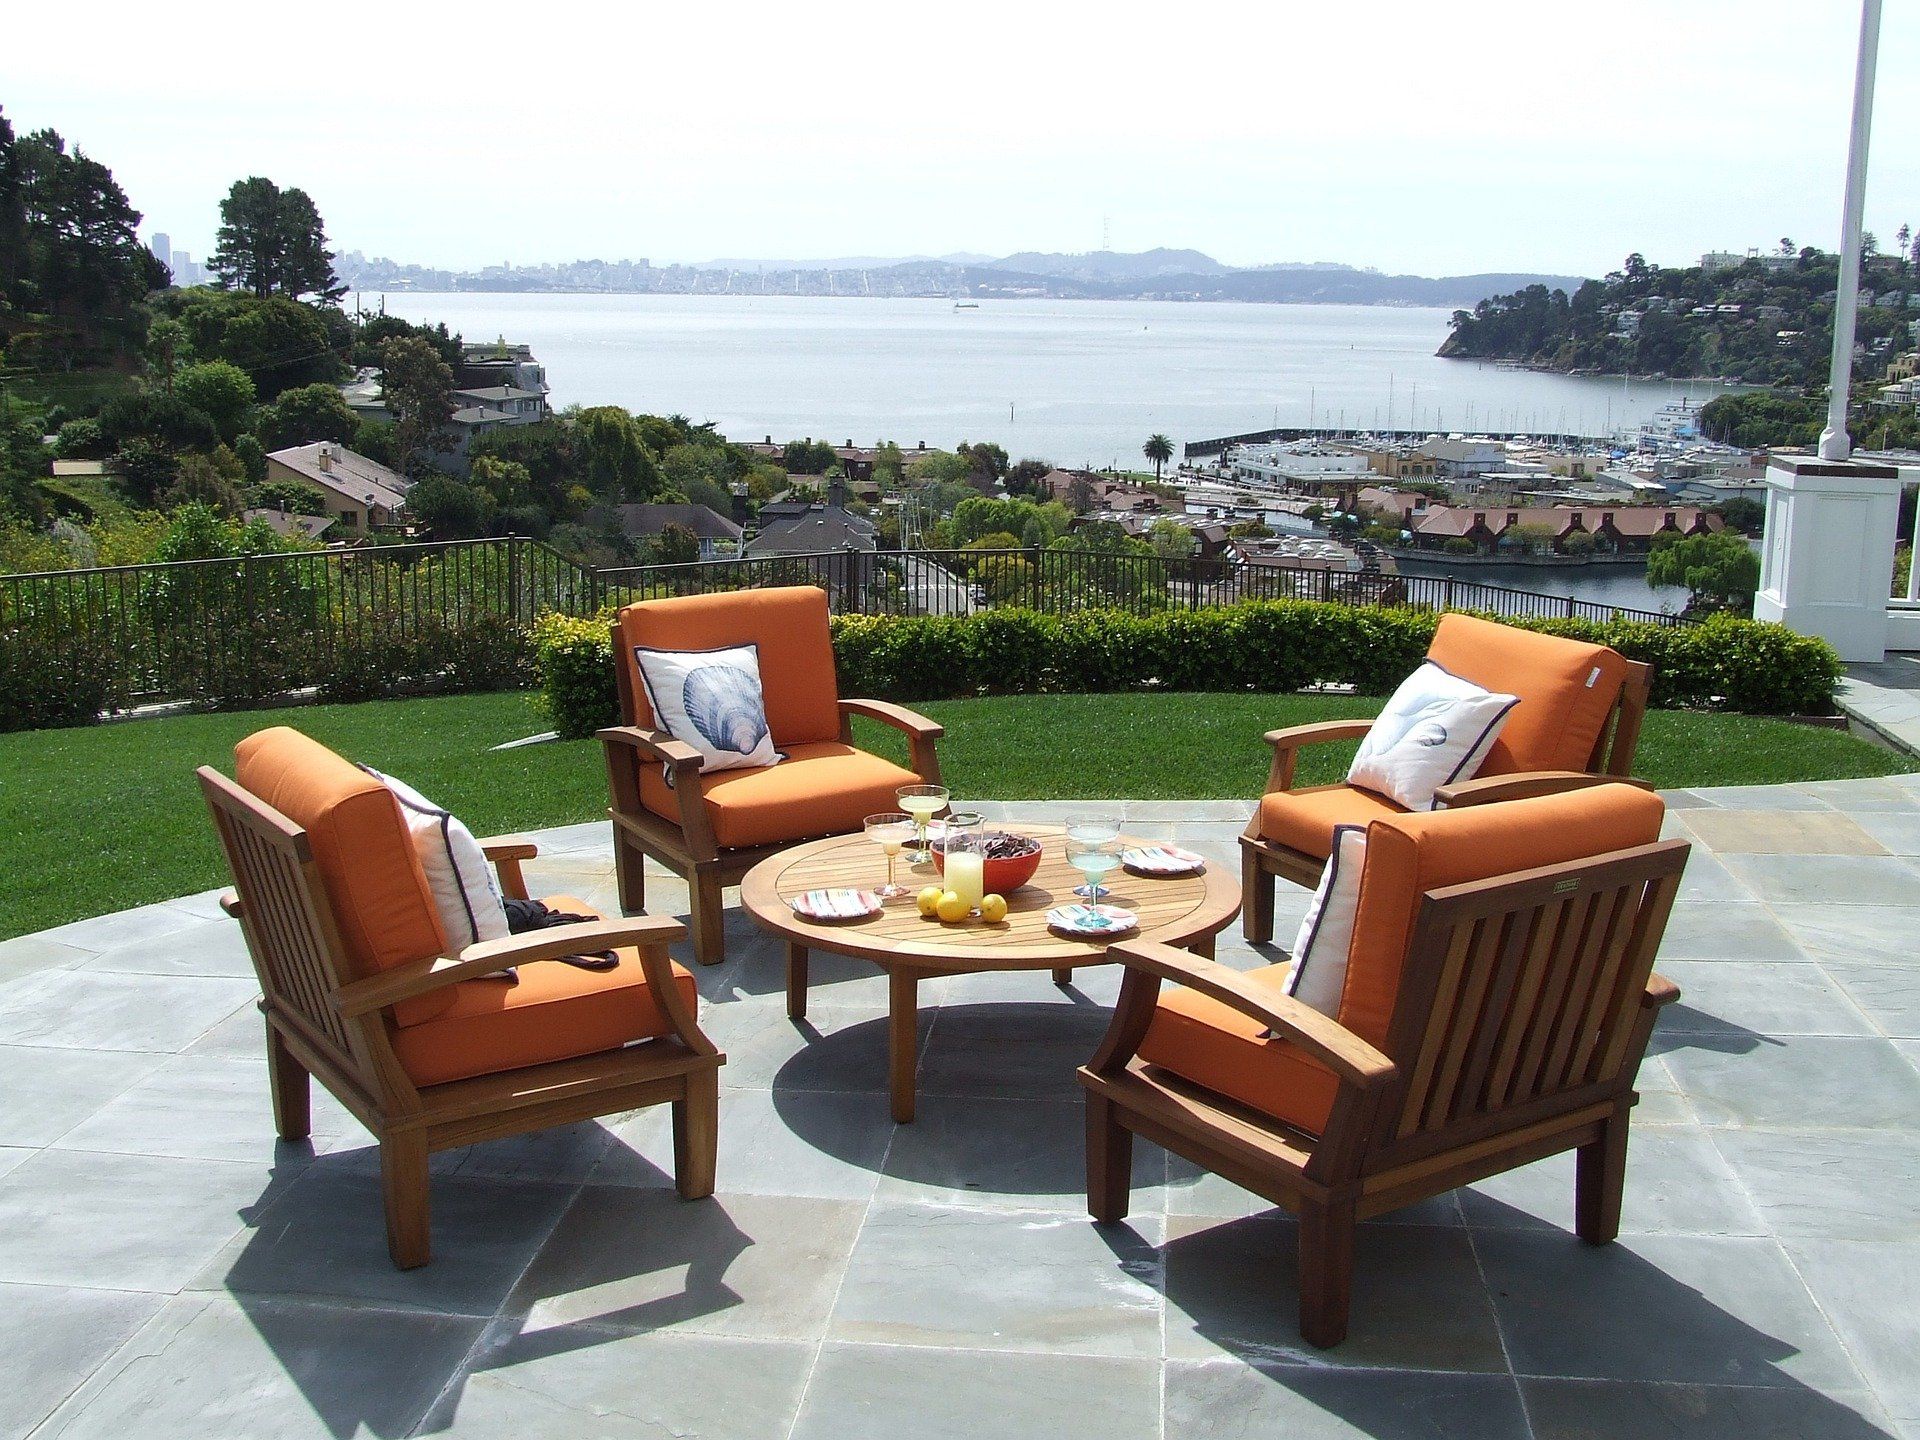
x=1076, y=382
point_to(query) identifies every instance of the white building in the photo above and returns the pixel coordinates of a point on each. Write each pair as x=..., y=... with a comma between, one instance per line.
x=1297, y=467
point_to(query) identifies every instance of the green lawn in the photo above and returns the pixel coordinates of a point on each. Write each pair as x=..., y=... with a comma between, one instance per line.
x=108, y=817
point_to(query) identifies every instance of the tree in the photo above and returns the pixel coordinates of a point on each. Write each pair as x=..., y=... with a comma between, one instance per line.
x=418, y=387
x=676, y=545
x=1786, y=245
x=1026, y=476
x=983, y=458
x=222, y=391
x=1743, y=516
x=1171, y=540
x=305, y=414
x=168, y=347
x=210, y=480
x=1158, y=449
x=1080, y=494
x=447, y=509
x=615, y=463
x=272, y=242
x=1721, y=570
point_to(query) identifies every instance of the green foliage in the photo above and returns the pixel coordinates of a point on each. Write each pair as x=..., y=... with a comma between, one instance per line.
x=287, y=495
x=50, y=678
x=1458, y=545
x=1759, y=418
x=977, y=515
x=1171, y=540
x=449, y=510
x=281, y=343
x=1273, y=646
x=615, y=463
x=253, y=458
x=807, y=457
x=374, y=330
x=1158, y=449
x=1721, y=569
x=417, y=385
x=221, y=391
x=82, y=439
x=1743, y=516
x=306, y=414
x=578, y=687
x=167, y=421
x=272, y=242
x=676, y=545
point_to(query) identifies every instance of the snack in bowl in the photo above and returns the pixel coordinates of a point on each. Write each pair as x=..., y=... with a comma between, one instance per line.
x=1011, y=860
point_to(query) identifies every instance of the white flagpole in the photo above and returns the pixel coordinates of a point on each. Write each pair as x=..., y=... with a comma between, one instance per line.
x=1834, y=441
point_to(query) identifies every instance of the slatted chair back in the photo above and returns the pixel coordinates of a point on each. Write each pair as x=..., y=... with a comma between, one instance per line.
x=290, y=929
x=1619, y=739
x=1521, y=999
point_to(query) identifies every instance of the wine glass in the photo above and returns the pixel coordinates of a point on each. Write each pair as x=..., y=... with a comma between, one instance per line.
x=922, y=802
x=890, y=830
x=1092, y=851
x=1090, y=833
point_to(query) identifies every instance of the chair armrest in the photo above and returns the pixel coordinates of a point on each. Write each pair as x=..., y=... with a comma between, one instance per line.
x=1287, y=744
x=656, y=745
x=1352, y=1059
x=1524, y=786
x=506, y=852
x=230, y=902
x=1660, y=991
x=917, y=727
x=403, y=982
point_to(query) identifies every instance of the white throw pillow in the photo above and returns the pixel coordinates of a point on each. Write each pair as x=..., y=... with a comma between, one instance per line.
x=1436, y=730
x=457, y=871
x=1319, y=974
x=711, y=700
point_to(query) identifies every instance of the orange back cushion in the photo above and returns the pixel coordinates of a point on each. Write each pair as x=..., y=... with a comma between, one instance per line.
x=1567, y=688
x=374, y=882
x=789, y=624
x=1408, y=855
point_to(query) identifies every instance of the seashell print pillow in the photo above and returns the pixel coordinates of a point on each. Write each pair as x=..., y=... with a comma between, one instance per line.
x=711, y=700
x=1436, y=729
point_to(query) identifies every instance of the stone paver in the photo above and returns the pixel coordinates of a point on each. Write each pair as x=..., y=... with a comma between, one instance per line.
x=168, y=1268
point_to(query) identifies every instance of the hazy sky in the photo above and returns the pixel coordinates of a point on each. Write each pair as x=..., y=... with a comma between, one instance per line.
x=1553, y=135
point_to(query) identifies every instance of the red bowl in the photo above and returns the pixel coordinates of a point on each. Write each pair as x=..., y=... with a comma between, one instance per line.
x=1003, y=877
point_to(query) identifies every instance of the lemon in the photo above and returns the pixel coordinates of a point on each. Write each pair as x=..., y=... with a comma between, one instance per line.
x=929, y=900
x=993, y=908
x=951, y=906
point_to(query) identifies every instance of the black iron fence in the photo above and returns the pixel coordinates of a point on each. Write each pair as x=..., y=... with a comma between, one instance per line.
x=368, y=620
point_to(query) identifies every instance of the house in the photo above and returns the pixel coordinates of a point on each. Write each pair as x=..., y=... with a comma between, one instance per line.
x=1621, y=530
x=856, y=461
x=359, y=493
x=815, y=530
x=1459, y=459
x=366, y=395
x=649, y=522
x=289, y=523
x=1106, y=494
x=499, y=365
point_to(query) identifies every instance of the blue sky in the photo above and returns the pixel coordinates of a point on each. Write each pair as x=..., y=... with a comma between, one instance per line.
x=1413, y=137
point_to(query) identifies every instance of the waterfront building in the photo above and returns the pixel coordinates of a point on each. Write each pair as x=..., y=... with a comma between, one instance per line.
x=716, y=533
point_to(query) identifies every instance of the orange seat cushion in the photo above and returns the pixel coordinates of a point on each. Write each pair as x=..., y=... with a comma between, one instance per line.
x=787, y=623
x=1407, y=855
x=1304, y=820
x=556, y=1011
x=819, y=789
x=1567, y=689
x=374, y=884
x=1214, y=1045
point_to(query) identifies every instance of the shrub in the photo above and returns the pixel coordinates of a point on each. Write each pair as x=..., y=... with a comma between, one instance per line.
x=574, y=658
x=52, y=676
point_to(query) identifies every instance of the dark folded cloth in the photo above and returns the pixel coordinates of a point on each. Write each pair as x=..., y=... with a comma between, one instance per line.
x=526, y=915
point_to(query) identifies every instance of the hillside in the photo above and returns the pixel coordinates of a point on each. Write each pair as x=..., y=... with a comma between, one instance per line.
x=1765, y=321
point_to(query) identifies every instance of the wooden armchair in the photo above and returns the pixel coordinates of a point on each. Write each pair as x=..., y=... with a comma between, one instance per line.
x=1498, y=1001
x=1577, y=724
x=360, y=988
x=713, y=828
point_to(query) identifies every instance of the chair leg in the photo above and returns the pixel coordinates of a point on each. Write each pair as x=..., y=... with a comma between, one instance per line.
x=630, y=871
x=403, y=1184
x=1326, y=1272
x=696, y=1135
x=709, y=923
x=1109, y=1162
x=1256, y=896
x=292, y=1089
x=1600, y=1177
x=796, y=981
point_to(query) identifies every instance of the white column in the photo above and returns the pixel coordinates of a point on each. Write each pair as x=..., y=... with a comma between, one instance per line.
x=1834, y=441
x=1826, y=566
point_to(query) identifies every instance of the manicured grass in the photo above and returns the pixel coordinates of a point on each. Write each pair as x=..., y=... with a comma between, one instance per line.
x=104, y=818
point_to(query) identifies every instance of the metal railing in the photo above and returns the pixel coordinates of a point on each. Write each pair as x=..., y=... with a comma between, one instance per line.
x=231, y=630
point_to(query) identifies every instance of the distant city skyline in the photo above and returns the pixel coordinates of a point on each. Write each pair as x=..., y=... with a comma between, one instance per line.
x=1407, y=138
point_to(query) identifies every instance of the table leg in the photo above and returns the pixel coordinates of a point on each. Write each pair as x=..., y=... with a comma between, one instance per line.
x=1202, y=946
x=903, y=1040
x=796, y=981
x=1063, y=977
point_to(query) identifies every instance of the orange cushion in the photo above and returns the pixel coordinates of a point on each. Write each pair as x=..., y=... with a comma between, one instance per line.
x=1567, y=688
x=819, y=789
x=374, y=883
x=555, y=1012
x=1216, y=1046
x=788, y=623
x=1408, y=855
x=1304, y=820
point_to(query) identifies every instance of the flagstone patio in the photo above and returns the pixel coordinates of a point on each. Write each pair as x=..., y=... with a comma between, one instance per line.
x=167, y=1269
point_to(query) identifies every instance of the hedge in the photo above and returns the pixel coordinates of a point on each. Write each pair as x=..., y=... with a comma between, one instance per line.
x=1724, y=663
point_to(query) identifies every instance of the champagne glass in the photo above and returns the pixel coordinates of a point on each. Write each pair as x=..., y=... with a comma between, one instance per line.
x=1092, y=859
x=890, y=830
x=922, y=802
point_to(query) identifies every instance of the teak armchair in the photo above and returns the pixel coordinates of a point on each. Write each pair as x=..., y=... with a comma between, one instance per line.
x=711, y=829
x=1488, y=1020
x=360, y=989
x=1577, y=724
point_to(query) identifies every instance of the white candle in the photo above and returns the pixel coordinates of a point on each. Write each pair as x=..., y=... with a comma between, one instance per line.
x=967, y=876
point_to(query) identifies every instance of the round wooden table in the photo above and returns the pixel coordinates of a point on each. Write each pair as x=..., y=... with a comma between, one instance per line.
x=1184, y=910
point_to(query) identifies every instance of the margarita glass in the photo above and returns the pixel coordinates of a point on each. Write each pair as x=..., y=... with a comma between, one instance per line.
x=922, y=802
x=890, y=830
x=1091, y=851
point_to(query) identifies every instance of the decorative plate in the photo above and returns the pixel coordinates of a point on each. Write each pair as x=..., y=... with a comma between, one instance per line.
x=836, y=904
x=1162, y=860
x=1091, y=919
